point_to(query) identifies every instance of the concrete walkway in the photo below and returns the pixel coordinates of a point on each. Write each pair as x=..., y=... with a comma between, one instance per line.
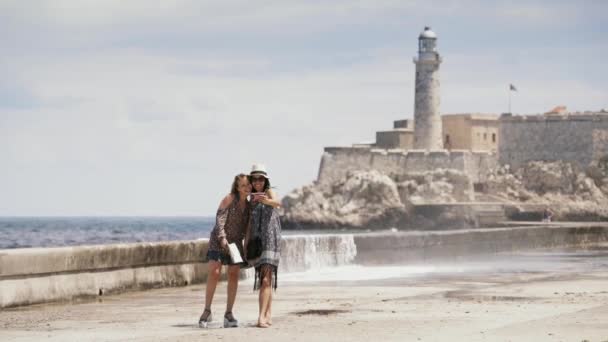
x=515, y=305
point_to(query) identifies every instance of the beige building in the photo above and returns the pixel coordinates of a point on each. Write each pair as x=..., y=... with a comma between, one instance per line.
x=476, y=132
x=400, y=137
x=473, y=132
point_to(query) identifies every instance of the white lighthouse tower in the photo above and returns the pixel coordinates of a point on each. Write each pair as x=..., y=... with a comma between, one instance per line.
x=427, y=121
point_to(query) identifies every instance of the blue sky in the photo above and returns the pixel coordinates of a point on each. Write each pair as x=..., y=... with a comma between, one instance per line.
x=150, y=108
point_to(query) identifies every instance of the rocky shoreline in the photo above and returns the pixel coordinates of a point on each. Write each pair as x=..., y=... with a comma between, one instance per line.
x=435, y=199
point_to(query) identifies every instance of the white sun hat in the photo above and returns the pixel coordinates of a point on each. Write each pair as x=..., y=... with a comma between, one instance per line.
x=259, y=170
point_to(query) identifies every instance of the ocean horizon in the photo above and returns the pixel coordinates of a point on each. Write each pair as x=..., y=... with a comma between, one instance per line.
x=58, y=231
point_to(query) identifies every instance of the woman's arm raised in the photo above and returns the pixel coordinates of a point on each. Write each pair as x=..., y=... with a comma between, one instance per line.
x=271, y=199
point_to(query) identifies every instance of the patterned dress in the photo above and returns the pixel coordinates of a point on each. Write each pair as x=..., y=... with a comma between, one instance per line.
x=265, y=224
x=230, y=223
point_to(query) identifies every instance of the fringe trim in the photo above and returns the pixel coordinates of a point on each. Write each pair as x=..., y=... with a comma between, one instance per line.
x=260, y=273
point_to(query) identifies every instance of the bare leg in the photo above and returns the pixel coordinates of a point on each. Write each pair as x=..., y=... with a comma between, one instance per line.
x=268, y=312
x=213, y=277
x=233, y=285
x=269, y=309
x=265, y=293
x=261, y=303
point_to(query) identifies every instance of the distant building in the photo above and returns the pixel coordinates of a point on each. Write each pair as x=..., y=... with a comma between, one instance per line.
x=558, y=110
x=400, y=137
x=475, y=132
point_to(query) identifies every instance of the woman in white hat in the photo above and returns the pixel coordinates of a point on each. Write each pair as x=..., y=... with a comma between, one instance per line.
x=263, y=240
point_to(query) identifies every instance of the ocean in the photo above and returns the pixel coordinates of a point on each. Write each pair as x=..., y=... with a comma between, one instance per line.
x=24, y=232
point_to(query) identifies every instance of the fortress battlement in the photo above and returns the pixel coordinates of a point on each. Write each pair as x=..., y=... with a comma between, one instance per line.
x=336, y=162
x=586, y=116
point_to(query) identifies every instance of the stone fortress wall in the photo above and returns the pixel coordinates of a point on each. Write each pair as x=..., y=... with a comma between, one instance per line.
x=577, y=138
x=336, y=162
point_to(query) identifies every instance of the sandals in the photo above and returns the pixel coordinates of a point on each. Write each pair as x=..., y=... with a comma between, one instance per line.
x=204, y=322
x=206, y=318
x=230, y=321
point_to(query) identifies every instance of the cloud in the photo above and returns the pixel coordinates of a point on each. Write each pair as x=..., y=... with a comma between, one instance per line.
x=192, y=24
x=15, y=96
x=133, y=108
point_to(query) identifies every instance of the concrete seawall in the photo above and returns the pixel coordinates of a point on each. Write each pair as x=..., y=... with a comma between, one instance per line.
x=421, y=246
x=38, y=275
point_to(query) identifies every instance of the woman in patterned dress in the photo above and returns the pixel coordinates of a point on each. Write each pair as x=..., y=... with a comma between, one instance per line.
x=264, y=224
x=231, y=223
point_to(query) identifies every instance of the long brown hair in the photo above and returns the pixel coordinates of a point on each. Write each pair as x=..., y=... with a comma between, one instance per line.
x=235, y=184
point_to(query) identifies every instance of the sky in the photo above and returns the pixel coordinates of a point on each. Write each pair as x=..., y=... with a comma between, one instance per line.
x=149, y=108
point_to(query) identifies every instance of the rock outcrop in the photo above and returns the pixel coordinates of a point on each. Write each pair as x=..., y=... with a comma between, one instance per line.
x=361, y=199
x=370, y=199
x=571, y=193
x=437, y=186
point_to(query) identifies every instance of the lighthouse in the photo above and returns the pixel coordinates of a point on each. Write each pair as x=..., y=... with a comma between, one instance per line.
x=427, y=120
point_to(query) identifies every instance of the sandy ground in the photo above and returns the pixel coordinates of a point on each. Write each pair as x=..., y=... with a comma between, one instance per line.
x=512, y=305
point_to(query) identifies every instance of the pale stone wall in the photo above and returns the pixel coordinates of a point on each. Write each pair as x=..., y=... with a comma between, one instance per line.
x=480, y=164
x=397, y=138
x=337, y=161
x=600, y=144
x=427, y=120
x=572, y=138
